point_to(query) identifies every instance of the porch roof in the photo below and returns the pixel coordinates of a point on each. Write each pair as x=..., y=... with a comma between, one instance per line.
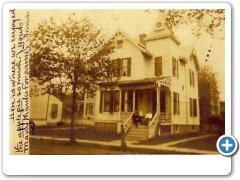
x=147, y=83
x=140, y=81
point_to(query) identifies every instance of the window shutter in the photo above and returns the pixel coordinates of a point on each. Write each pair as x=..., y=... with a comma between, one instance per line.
x=118, y=67
x=177, y=69
x=101, y=102
x=175, y=103
x=190, y=77
x=158, y=66
x=178, y=101
x=173, y=67
x=111, y=108
x=129, y=67
x=195, y=107
x=193, y=78
x=190, y=99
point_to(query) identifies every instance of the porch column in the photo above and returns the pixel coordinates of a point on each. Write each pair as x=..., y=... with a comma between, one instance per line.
x=120, y=103
x=134, y=101
x=125, y=100
x=158, y=100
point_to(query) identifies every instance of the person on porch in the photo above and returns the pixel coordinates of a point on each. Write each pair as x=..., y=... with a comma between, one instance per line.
x=136, y=118
x=148, y=117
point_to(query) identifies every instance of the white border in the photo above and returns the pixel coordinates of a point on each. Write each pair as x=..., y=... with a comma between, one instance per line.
x=115, y=165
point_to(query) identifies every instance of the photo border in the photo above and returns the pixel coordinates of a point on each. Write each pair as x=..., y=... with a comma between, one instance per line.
x=83, y=164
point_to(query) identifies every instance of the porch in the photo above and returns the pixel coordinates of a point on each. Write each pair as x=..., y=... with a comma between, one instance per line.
x=153, y=97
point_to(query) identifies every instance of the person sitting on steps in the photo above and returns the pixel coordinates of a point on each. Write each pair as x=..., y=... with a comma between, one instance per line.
x=136, y=118
x=148, y=117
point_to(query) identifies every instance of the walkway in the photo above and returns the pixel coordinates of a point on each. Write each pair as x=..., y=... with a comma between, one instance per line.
x=133, y=144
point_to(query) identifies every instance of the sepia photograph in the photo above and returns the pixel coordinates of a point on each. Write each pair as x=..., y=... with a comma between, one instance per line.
x=116, y=81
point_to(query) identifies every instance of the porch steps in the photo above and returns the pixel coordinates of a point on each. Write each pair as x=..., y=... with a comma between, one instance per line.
x=139, y=133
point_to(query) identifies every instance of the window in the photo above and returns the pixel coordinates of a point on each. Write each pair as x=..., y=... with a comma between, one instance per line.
x=90, y=95
x=193, y=107
x=123, y=67
x=176, y=107
x=119, y=44
x=175, y=67
x=127, y=101
x=90, y=109
x=116, y=101
x=54, y=111
x=191, y=78
x=158, y=66
x=109, y=101
x=193, y=128
x=176, y=128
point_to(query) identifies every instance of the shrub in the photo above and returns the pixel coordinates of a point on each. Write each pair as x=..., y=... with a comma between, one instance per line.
x=60, y=123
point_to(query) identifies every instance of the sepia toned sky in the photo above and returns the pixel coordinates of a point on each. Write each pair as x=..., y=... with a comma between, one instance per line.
x=135, y=22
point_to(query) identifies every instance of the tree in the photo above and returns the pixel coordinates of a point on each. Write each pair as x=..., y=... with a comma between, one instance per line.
x=211, y=21
x=73, y=52
x=208, y=92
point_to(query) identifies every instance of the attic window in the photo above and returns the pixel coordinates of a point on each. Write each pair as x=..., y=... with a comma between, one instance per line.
x=119, y=44
x=159, y=25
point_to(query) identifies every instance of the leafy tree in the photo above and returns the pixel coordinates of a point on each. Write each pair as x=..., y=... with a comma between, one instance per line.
x=208, y=92
x=211, y=21
x=73, y=52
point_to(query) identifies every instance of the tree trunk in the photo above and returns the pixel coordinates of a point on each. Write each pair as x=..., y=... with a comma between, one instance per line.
x=123, y=138
x=72, y=132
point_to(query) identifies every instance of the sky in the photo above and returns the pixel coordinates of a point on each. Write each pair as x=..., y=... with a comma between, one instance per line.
x=135, y=22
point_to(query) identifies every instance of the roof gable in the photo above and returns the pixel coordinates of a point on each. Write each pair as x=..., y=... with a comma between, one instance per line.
x=119, y=34
x=188, y=52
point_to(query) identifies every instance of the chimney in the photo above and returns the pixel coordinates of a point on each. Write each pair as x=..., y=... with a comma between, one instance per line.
x=142, y=37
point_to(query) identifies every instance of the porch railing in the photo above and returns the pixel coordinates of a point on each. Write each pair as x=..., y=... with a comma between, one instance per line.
x=125, y=116
x=152, y=126
x=127, y=123
x=164, y=117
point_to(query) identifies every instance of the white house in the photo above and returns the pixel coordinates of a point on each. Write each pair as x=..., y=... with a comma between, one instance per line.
x=45, y=109
x=155, y=73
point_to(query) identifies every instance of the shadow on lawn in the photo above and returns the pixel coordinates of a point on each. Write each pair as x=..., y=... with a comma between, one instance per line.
x=81, y=132
x=170, y=138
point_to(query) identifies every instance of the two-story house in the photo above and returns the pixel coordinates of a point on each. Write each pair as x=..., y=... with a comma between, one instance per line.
x=154, y=74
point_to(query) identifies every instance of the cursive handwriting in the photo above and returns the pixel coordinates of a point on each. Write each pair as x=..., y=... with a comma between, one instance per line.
x=19, y=81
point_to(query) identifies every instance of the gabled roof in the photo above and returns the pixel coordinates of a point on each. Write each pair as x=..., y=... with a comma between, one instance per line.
x=185, y=53
x=122, y=34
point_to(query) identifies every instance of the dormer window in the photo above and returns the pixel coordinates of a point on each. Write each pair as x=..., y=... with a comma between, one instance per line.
x=119, y=44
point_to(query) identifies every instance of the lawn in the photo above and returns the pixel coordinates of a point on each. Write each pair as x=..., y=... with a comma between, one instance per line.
x=208, y=143
x=50, y=147
x=81, y=132
x=168, y=138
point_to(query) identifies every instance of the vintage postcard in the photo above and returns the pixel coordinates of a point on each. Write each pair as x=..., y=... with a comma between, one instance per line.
x=146, y=84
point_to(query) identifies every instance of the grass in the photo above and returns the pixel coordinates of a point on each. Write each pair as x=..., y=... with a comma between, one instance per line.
x=168, y=138
x=81, y=132
x=50, y=147
x=208, y=143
